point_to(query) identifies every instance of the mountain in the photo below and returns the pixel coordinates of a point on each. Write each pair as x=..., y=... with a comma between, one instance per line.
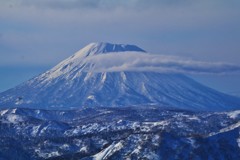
x=74, y=83
x=118, y=133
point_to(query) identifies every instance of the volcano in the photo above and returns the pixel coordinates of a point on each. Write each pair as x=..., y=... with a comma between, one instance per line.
x=73, y=83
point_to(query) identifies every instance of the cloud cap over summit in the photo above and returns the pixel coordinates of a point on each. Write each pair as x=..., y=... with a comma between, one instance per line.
x=108, y=57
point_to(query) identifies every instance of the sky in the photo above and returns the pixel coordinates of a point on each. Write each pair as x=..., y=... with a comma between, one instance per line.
x=35, y=35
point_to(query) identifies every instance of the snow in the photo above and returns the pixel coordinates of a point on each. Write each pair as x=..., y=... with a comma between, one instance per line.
x=234, y=114
x=192, y=141
x=52, y=154
x=137, y=150
x=65, y=146
x=226, y=129
x=108, y=151
x=43, y=129
x=231, y=127
x=160, y=123
x=14, y=118
x=91, y=97
x=35, y=130
x=84, y=149
x=119, y=121
x=77, y=142
x=37, y=111
x=124, y=78
x=19, y=102
x=14, y=111
x=193, y=118
x=155, y=140
x=135, y=125
x=89, y=75
x=238, y=141
x=104, y=77
x=3, y=112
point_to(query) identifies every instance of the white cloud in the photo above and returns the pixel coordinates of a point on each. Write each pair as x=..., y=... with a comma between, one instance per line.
x=134, y=61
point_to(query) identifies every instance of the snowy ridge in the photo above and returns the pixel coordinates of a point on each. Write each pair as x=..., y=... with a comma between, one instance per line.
x=106, y=153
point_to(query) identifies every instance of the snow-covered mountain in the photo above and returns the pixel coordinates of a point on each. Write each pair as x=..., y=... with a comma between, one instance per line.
x=74, y=83
x=119, y=115
x=118, y=134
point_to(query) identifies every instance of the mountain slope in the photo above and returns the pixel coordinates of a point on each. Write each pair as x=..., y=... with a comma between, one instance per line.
x=73, y=83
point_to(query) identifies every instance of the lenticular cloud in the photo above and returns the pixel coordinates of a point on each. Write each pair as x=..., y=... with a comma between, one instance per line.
x=135, y=61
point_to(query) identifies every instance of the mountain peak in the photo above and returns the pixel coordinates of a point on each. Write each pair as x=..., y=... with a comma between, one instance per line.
x=104, y=47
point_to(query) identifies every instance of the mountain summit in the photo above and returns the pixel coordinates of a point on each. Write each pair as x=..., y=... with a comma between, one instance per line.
x=102, y=47
x=73, y=83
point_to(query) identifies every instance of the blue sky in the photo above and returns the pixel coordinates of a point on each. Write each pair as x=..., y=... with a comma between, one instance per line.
x=35, y=35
